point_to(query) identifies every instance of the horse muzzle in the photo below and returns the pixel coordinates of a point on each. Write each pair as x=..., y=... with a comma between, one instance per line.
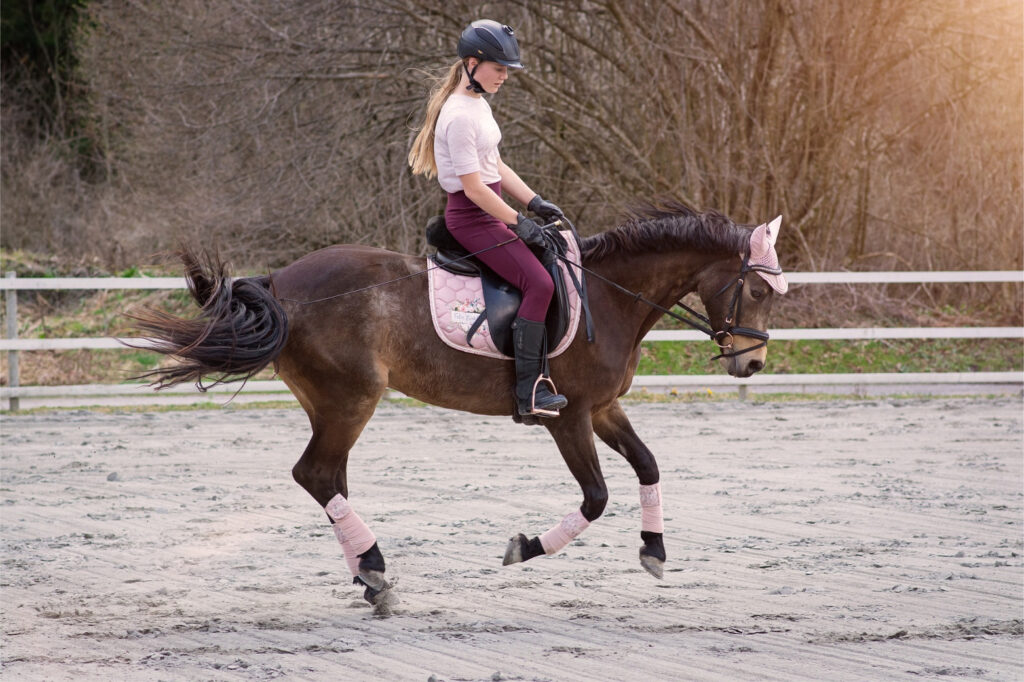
x=742, y=355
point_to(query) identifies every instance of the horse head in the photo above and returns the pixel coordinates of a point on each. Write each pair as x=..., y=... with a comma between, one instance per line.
x=738, y=304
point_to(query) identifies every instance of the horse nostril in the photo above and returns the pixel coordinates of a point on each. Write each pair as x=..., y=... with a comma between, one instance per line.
x=755, y=366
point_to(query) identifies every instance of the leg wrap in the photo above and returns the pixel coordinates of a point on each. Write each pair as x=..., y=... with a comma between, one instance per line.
x=651, y=518
x=562, y=534
x=353, y=535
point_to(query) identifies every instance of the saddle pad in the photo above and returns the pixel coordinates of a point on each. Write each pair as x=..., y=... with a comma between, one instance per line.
x=456, y=301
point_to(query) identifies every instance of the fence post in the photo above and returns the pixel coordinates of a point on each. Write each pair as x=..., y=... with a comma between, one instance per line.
x=12, y=333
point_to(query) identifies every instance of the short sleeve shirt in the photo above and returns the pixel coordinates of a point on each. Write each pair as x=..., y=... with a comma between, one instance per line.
x=466, y=139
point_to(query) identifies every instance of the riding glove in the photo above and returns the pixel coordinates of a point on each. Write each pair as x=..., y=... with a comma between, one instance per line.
x=545, y=209
x=528, y=231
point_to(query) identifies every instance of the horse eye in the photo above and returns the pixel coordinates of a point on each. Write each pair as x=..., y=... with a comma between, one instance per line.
x=756, y=294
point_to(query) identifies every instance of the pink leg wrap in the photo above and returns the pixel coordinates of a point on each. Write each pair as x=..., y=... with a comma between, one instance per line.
x=651, y=518
x=562, y=534
x=353, y=535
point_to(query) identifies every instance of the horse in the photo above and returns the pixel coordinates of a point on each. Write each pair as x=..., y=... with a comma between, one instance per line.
x=344, y=324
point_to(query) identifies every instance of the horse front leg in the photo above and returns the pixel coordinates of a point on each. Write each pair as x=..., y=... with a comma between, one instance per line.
x=572, y=434
x=612, y=426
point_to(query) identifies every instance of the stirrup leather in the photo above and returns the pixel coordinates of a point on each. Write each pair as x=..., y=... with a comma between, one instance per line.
x=533, y=397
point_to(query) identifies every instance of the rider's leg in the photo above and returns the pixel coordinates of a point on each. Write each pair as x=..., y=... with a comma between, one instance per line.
x=532, y=392
x=515, y=263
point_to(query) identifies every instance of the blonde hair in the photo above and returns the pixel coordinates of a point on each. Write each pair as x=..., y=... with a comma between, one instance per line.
x=421, y=156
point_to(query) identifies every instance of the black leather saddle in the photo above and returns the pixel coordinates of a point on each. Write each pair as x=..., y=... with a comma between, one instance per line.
x=501, y=299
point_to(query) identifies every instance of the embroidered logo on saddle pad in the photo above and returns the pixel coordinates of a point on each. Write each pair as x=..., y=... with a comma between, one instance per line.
x=457, y=303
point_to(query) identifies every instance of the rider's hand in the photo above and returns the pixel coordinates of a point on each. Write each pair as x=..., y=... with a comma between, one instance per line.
x=528, y=231
x=545, y=209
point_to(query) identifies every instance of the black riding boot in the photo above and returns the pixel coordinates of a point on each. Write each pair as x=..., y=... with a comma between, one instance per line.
x=533, y=396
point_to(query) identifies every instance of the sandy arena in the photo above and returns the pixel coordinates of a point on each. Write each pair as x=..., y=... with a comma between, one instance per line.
x=853, y=540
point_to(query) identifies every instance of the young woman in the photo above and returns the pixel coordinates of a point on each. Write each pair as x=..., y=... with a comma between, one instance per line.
x=459, y=144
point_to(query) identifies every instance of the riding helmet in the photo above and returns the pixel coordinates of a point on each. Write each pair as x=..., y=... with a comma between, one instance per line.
x=490, y=41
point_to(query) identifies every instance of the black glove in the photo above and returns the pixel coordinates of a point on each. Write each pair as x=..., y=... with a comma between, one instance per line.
x=528, y=231
x=545, y=209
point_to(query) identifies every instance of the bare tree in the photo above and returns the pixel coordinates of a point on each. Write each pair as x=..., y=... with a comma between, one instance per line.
x=888, y=132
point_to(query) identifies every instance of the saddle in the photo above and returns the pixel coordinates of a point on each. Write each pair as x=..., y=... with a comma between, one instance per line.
x=501, y=299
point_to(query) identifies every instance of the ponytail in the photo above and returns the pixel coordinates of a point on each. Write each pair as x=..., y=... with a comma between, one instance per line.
x=421, y=156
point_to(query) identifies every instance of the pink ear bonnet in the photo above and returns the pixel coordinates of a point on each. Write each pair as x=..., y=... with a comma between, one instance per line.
x=763, y=259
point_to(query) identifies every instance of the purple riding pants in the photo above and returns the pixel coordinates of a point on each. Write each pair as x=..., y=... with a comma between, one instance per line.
x=475, y=229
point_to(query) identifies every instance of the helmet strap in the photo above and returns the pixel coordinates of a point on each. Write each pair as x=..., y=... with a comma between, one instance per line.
x=474, y=84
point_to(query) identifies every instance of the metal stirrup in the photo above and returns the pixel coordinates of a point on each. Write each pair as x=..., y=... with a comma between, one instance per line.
x=533, y=397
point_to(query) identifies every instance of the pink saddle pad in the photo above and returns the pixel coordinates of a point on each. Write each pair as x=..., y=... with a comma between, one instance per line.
x=456, y=301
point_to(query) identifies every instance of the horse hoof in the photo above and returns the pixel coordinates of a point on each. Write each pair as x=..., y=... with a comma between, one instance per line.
x=514, y=551
x=373, y=580
x=379, y=593
x=384, y=601
x=653, y=565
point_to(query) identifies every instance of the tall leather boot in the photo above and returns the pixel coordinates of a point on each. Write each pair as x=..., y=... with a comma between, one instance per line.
x=533, y=389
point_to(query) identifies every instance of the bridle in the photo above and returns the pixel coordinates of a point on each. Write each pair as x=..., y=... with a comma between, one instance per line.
x=726, y=337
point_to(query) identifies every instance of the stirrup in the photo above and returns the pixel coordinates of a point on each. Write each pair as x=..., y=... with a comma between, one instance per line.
x=533, y=398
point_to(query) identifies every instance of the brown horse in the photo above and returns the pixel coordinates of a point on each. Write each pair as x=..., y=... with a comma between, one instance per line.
x=340, y=338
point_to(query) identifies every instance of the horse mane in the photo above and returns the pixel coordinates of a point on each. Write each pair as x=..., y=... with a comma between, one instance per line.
x=670, y=225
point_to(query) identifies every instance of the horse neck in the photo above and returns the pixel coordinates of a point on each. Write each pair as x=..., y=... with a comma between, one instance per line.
x=661, y=277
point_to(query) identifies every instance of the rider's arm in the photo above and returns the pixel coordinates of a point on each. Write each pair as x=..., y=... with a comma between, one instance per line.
x=482, y=195
x=513, y=185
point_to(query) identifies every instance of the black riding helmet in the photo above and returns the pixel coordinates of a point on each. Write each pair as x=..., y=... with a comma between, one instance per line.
x=488, y=41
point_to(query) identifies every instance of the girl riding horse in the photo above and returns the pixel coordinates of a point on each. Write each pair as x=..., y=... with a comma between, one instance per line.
x=458, y=143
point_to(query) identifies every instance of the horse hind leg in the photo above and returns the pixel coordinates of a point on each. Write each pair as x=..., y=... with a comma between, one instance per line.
x=612, y=426
x=322, y=472
x=362, y=554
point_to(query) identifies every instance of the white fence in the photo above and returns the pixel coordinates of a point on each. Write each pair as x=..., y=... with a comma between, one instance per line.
x=13, y=345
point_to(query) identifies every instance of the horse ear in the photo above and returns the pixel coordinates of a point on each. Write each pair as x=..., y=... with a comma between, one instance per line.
x=762, y=254
x=760, y=242
x=772, y=230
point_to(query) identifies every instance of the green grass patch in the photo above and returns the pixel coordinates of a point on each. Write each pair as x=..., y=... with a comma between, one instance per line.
x=832, y=357
x=709, y=396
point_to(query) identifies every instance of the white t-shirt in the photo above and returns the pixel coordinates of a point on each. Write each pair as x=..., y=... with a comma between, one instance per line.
x=466, y=139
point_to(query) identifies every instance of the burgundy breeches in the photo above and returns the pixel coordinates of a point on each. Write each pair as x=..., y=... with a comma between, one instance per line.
x=475, y=229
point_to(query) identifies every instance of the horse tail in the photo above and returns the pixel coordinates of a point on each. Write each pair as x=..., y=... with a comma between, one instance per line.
x=240, y=330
